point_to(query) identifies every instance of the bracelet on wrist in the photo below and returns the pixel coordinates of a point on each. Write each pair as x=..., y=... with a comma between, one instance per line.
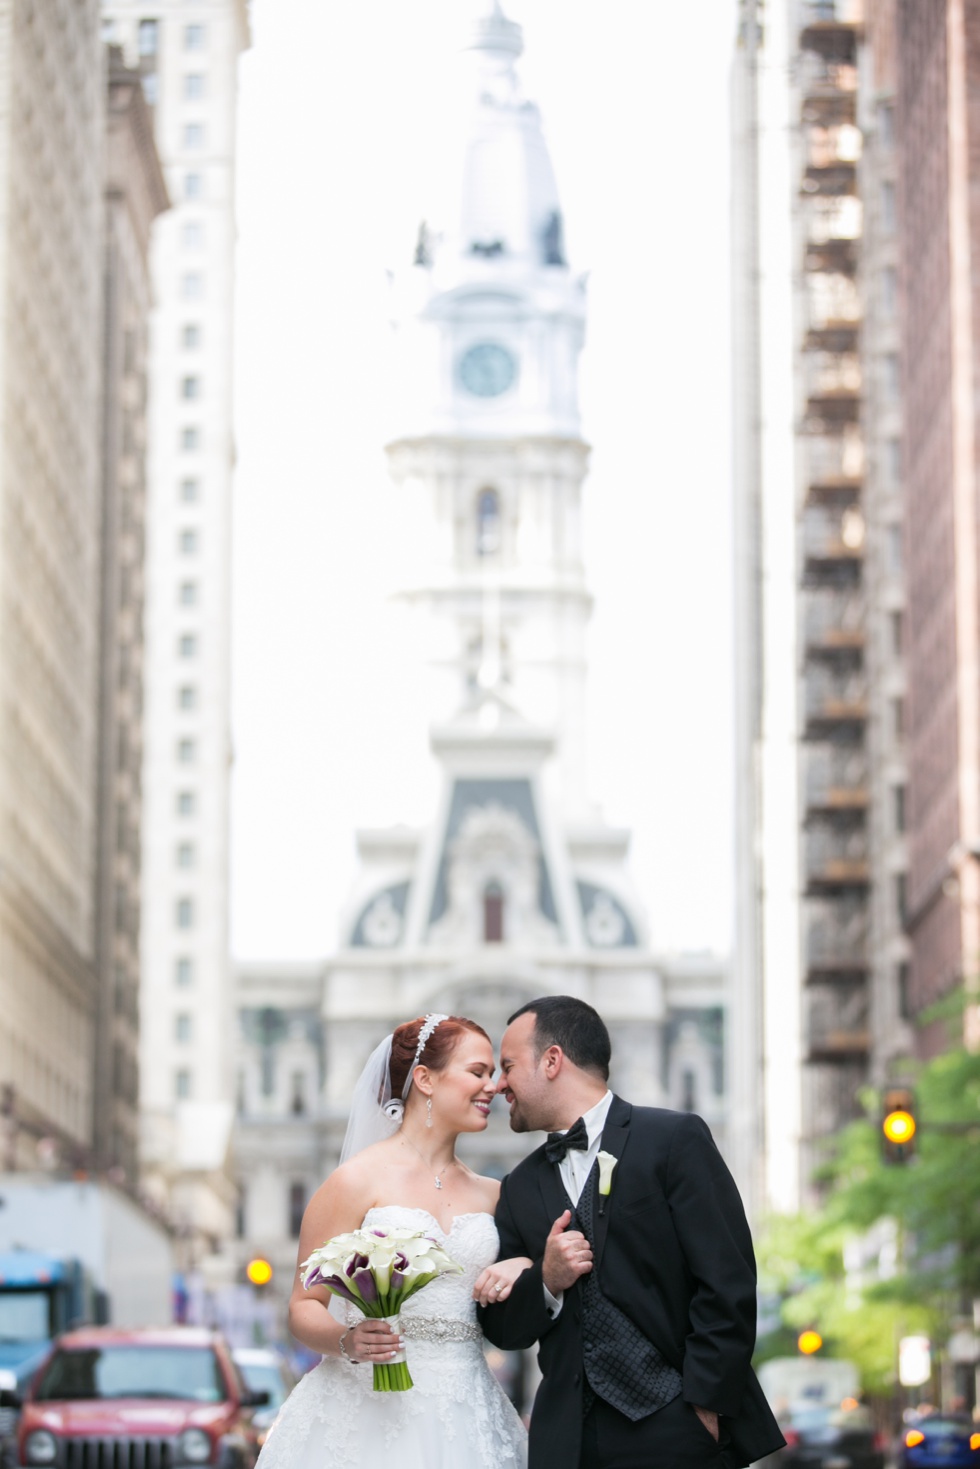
x=343, y=1349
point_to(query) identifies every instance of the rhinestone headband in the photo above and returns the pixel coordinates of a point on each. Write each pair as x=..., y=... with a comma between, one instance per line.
x=428, y=1026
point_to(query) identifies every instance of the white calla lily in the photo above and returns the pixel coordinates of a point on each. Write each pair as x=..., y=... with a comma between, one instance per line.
x=607, y=1162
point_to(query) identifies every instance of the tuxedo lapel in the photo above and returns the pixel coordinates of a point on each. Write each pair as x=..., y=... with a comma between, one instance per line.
x=615, y=1138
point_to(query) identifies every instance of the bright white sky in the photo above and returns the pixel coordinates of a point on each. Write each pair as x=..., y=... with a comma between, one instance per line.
x=342, y=109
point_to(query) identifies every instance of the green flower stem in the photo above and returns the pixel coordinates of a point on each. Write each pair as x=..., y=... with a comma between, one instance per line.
x=392, y=1377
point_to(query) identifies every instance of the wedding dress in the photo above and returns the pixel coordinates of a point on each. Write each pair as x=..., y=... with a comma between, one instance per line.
x=457, y=1415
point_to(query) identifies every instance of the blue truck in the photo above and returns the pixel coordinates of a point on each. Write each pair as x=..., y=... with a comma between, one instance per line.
x=41, y=1295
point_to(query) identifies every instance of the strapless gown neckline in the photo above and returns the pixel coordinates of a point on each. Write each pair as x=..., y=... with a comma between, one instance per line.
x=457, y=1414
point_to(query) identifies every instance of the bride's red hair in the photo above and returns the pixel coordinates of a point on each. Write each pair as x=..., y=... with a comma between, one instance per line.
x=436, y=1051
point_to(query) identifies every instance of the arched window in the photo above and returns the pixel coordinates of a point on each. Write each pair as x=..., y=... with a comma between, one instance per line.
x=493, y=914
x=487, y=523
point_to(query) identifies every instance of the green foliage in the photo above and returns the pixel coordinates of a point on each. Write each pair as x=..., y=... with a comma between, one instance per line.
x=933, y=1200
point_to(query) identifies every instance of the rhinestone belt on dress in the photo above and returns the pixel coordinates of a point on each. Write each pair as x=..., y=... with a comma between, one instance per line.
x=436, y=1328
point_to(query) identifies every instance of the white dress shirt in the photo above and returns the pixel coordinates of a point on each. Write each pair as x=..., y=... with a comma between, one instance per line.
x=575, y=1168
x=577, y=1163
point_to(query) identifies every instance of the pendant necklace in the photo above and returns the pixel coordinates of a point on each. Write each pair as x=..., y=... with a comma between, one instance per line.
x=450, y=1164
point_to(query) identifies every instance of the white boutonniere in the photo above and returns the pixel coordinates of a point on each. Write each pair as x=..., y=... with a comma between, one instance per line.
x=607, y=1162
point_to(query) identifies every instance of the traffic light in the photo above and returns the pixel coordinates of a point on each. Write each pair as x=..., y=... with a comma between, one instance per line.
x=809, y=1341
x=898, y=1125
x=258, y=1271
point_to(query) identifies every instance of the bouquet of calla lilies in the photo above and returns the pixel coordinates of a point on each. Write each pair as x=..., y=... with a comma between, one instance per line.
x=377, y=1270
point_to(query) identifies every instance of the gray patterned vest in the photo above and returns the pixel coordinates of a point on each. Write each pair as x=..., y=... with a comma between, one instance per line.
x=621, y=1366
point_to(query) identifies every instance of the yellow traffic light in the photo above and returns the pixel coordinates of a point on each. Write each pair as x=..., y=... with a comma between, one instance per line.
x=899, y=1126
x=259, y=1271
x=809, y=1342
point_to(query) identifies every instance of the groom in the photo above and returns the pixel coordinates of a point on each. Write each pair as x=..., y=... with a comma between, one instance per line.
x=642, y=1294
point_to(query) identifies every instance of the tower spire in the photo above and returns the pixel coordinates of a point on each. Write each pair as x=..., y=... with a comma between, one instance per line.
x=494, y=33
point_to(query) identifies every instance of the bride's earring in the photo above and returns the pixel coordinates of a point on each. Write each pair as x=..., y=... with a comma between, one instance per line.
x=428, y=1111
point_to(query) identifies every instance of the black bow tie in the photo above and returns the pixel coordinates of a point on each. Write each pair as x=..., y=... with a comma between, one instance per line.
x=559, y=1143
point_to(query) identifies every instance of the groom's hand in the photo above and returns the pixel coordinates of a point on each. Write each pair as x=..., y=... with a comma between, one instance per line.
x=567, y=1255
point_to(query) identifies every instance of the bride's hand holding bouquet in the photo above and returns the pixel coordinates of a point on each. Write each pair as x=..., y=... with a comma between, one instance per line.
x=378, y=1270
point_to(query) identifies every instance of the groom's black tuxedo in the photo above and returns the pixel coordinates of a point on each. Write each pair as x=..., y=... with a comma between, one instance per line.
x=672, y=1251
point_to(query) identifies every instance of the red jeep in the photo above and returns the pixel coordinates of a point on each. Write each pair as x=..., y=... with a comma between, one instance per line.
x=139, y=1399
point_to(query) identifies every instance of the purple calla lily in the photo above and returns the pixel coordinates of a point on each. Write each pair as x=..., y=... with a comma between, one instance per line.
x=356, y=1262
x=366, y=1285
x=339, y=1286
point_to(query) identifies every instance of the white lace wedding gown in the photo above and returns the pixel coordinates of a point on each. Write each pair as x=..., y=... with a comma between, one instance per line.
x=456, y=1417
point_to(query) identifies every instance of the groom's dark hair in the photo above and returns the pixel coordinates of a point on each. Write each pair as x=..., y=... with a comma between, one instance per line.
x=560, y=1020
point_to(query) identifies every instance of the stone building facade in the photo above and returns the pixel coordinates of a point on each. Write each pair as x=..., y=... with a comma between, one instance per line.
x=51, y=262
x=937, y=47
x=187, y=55
x=516, y=887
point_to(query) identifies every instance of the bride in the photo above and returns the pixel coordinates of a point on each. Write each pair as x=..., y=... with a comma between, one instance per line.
x=423, y=1086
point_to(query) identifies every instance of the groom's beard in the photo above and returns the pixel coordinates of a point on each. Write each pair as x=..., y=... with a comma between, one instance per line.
x=518, y=1121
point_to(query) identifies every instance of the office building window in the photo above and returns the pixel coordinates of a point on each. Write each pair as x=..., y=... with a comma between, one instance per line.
x=186, y=752
x=886, y=125
x=899, y=798
x=182, y=1084
x=895, y=547
x=487, y=523
x=151, y=88
x=187, y=645
x=186, y=803
x=493, y=914
x=184, y=913
x=193, y=186
x=297, y=1206
x=187, y=543
x=897, y=622
x=149, y=37
x=190, y=337
x=890, y=377
x=192, y=285
x=194, y=86
x=183, y=1027
x=297, y=1100
x=898, y=718
x=184, y=972
x=189, y=491
x=190, y=388
x=888, y=207
x=889, y=293
x=190, y=439
x=187, y=696
x=903, y=976
x=194, y=38
x=193, y=135
x=187, y=594
x=185, y=854
x=192, y=234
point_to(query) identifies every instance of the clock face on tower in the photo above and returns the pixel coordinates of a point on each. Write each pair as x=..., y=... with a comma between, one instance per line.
x=487, y=369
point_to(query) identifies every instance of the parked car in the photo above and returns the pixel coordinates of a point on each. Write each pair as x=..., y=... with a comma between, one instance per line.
x=146, y=1399
x=9, y=1416
x=830, y=1438
x=265, y=1371
x=940, y=1441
